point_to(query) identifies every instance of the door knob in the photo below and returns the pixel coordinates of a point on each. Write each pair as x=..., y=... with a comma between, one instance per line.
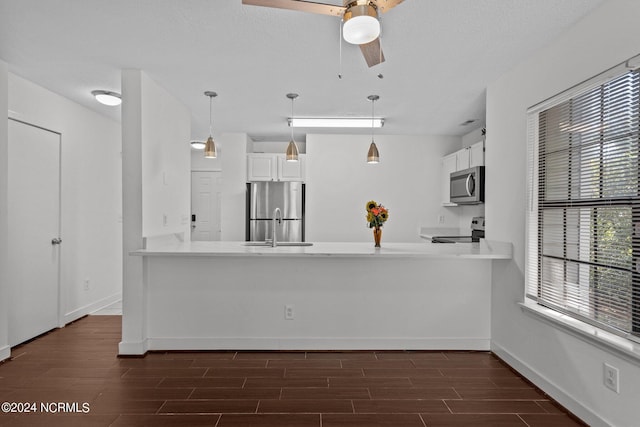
x=56, y=241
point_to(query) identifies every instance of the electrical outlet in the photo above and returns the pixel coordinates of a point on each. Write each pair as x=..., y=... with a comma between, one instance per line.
x=87, y=284
x=288, y=312
x=611, y=377
x=440, y=219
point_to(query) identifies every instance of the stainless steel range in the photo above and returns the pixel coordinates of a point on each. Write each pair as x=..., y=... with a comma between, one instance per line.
x=477, y=233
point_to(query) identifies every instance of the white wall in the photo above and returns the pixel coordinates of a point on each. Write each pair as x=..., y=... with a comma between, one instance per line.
x=234, y=178
x=568, y=368
x=5, y=351
x=156, y=179
x=166, y=160
x=472, y=137
x=406, y=181
x=91, y=189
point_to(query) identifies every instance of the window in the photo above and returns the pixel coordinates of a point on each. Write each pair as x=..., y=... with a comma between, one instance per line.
x=583, y=254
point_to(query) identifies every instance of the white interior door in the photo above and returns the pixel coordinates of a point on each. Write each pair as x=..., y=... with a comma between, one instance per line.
x=34, y=227
x=206, y=192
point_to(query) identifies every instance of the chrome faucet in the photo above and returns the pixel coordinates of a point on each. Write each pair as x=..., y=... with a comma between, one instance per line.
x=277, y=216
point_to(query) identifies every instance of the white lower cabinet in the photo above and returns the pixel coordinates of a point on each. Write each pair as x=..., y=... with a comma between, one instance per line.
x=274, y=167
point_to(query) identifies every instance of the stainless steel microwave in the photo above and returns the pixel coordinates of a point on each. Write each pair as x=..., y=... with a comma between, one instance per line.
x=466, y=187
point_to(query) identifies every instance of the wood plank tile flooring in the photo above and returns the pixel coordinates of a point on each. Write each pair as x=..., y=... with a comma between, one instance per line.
x=78, y=364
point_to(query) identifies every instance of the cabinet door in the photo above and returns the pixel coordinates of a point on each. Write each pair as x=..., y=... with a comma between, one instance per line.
x=448, y=166
x=476, y=154
x=261, y=167
x=291, y=171
x=462, y=159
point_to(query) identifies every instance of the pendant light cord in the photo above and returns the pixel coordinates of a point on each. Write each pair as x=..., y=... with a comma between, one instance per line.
x=380, y=41
x=292, y=99
x=340, y=51
x=373, y=101
x=210, y=107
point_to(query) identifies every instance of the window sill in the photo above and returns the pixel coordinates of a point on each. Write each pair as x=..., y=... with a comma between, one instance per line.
x=619, y=346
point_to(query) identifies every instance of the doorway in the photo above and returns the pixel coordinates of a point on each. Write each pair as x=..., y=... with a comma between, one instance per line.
x=34, y=231
x=206, y=194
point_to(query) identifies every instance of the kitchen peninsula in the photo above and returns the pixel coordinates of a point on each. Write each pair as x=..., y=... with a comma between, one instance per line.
x=328, y=296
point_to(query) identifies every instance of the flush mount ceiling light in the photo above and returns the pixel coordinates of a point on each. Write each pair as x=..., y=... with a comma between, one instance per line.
x=197, y=145
x=361, y=23
x=292, y=148
x=107, y=97
x=373, y=156
x=336, y=122
x=210, y=145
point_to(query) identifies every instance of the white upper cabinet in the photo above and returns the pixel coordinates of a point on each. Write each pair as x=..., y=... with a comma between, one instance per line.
x=470, y=156
x=261, y=167
x=291, y=171
x=274, y=167
x=476, y=154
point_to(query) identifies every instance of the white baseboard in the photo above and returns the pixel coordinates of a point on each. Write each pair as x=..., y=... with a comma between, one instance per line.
x=5, y=353
x=138, y=348
x=322, y=343
x=90, y=308
x=546, y=385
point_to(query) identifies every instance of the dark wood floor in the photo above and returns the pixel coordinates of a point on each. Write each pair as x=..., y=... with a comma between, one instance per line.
x=78, y=364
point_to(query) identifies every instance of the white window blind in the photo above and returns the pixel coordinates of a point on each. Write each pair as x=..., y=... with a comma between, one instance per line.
x=583, y=254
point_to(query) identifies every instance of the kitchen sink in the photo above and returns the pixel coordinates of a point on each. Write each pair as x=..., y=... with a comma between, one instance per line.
x=268, y=244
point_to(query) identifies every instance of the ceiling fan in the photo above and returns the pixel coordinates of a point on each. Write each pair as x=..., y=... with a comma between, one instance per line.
x=361, y=25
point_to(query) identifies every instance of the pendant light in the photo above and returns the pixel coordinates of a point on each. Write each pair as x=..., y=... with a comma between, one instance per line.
x=210, y=145
x=292, y=148
x=373, y=156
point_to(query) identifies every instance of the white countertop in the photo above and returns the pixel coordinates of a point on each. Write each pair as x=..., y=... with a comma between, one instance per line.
x=482, y=250
x=429, y=232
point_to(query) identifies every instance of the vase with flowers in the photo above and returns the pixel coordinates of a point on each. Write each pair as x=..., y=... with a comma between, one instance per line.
x=377, y=215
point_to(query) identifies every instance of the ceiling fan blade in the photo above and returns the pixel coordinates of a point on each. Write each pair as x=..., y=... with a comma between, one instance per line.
x=372, y=52
x=386, y=5
x=303, y=6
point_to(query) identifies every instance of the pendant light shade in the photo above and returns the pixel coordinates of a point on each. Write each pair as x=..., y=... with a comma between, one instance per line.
x=210, y=149
x=292, y=151
x=292, y=148
x=210, y=145
x=373, y=156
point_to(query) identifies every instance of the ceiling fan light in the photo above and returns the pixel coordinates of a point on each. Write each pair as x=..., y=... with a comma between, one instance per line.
x=373, y=156
x=210, y=149
x=361, y=24
x=292, y=151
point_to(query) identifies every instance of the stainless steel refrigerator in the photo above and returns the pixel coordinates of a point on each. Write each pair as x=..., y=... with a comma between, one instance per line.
x=263, y=198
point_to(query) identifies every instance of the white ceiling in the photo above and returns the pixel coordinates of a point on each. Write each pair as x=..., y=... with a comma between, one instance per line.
x=441, y=55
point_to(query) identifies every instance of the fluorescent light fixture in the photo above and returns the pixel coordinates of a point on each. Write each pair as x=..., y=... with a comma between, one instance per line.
x=336, y=122
x=107, y=97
